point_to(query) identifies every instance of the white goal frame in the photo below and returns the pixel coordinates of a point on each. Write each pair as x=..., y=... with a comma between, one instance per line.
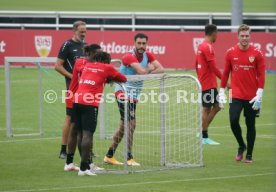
x=8, y=61
x=102, y=135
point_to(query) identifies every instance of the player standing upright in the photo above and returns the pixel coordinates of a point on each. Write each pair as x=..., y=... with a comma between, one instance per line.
x=137, y=61
x=246, y=65
x=68, y=53
x=207, y=72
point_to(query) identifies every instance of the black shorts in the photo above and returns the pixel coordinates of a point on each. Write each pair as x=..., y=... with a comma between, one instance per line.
x=131, y=109
x=209, y=97
x=84, y=117
x=69, y=111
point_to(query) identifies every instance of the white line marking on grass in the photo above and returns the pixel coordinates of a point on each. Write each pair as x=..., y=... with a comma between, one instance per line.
x=19, y=128
x=228, y=126
x=38, y=139
x=144, y=183
x=21, y=81
x=258, y=136
x=32, y=139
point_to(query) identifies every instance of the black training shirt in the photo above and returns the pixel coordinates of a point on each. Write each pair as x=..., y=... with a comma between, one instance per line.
x=69, y=52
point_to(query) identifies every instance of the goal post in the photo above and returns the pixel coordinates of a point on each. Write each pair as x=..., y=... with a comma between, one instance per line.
x=168, y=122
x=168, y=114
x=35, y=74
x=32, y=62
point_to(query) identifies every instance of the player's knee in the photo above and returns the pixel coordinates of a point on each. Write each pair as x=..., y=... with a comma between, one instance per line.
x=216, y=108
x=206, y=110
x=234, y=120
x=133, y=124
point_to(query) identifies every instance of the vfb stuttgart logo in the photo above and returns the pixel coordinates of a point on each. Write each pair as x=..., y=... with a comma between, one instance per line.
x=43, y=45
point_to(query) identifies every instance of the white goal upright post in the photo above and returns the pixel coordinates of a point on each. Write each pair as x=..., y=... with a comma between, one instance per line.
x=32, y=62
x=28, y=81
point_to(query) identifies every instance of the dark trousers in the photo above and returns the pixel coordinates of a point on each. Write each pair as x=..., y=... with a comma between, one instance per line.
x=236, y=106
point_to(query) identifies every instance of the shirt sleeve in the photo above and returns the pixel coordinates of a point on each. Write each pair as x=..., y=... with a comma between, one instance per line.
x=128, y=59
x=226, y=71
x=151, y=57
x=75, y=77
x=209, y=53
x=115, y=75
x=213, y=67
x=261, y=70
x=64, y=51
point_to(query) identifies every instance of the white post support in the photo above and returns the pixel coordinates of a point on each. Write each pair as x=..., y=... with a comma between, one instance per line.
x=8, y=98
x=162, y=124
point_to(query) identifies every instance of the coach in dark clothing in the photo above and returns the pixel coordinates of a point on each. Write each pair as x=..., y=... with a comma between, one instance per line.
x=68, y=53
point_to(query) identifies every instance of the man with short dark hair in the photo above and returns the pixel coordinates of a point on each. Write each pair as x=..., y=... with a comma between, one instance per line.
x=207, y=72
x=247, y=67
x=68, y=53
x=137, y=61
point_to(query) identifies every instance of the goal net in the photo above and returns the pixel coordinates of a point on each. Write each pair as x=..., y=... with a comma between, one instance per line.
x=168, y=122
x=168, y=114
x=29, y=110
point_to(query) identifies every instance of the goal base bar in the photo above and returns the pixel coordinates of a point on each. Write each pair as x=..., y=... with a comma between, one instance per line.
x=27, y=135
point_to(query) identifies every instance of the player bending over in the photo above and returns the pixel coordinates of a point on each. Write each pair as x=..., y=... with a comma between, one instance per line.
x=86, y=101
x=91, y=51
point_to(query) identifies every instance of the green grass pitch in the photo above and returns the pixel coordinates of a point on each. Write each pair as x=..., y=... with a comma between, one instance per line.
x=141, y=5
x=32, y=164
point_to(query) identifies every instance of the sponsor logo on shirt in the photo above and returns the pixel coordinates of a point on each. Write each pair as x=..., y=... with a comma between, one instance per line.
x=246, y=67
x=43, y=45
x=94, y=70
x=235, y=58
x=89, y=82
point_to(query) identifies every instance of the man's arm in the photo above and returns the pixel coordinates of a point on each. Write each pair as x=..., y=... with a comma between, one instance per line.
x=214, y=68
x=210, y=57
x=139, y=69
x=261, y=71
x=114, y=75
x=60, y=68
x=226, y=71
x=158, y=68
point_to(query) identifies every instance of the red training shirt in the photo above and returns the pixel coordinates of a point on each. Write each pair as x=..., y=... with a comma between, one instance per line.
x=206, y=67
x=247, y=71
x=92, y=82
x=74, y=84
x=129, y=58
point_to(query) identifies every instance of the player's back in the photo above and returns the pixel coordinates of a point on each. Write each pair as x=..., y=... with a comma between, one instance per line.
x=206, y=76
x=92, y=82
